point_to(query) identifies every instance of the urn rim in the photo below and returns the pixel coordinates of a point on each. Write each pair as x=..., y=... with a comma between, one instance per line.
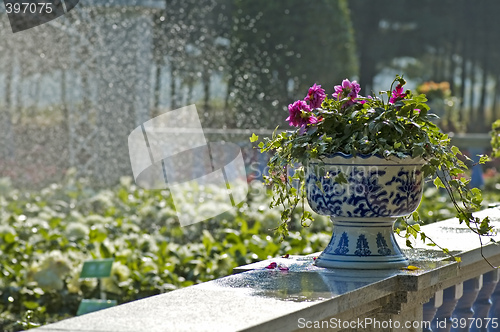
x=366, y=159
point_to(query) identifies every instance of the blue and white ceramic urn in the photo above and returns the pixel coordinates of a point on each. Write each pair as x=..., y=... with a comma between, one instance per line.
x=363, y=210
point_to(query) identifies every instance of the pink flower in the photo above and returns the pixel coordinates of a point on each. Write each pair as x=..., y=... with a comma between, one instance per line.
x=348, y=89
x=274, y=266
x=271, y=266
x=301, y=115
x=338, y=91
x=397, y=94
x=315, y=96
x=297, y=112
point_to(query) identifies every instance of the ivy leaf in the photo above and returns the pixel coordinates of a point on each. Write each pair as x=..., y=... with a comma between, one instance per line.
x=485, y=227
x=415, y=216
x=320, y=186
x=254, y=138
x=423, y=237
x=412, y=231
x=438, y=183
x=483, y=158
x=340, y=178
x=455, y=150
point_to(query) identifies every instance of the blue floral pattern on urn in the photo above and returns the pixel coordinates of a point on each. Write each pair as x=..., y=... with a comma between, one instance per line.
x=363, y=195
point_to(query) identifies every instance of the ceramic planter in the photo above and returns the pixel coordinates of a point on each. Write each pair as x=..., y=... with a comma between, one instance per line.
x=364, y=209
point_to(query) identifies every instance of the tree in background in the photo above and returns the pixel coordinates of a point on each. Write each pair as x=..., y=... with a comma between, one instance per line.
x=451, y=40
x=281, y=48
x=191, y=40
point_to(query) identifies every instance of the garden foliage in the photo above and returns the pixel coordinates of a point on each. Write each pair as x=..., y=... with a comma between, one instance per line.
x=46, y=235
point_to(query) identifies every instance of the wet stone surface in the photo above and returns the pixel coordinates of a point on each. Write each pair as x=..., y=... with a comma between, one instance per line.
x=272, y=297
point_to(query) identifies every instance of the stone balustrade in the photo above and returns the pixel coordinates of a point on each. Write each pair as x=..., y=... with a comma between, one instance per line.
x=441, y=295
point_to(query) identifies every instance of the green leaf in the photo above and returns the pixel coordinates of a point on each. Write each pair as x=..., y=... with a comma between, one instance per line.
x=340, y=178
x=415, y=216
x=438, y=183
x=423, y=237
x=254, y=138
x=483, y=159
x=31, y=305
x=103, y=249
x=320, y=186
x=410, y=230
x=485, y=227
x=476, y=191
x=9, y=238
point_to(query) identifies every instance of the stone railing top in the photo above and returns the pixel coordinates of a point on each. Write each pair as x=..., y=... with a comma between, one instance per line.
x=260, y=299
x=471, y=140
x=457, y=238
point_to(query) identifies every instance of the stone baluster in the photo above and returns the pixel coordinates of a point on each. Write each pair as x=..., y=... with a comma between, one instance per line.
x=483, y=302
x=494, y=312
x=430, y=309
x=463, y=310
x=442, y=319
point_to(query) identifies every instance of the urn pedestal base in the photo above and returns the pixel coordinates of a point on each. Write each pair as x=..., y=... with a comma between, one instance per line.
x=362, y=243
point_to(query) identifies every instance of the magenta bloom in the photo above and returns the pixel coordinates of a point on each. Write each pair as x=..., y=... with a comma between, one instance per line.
x=315, y=96
x=348, y=89
x=300, y=114
x=397, y=94
x=273, y=265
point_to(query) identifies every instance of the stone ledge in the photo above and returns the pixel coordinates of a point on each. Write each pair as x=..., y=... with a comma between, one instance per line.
x=260, y=299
